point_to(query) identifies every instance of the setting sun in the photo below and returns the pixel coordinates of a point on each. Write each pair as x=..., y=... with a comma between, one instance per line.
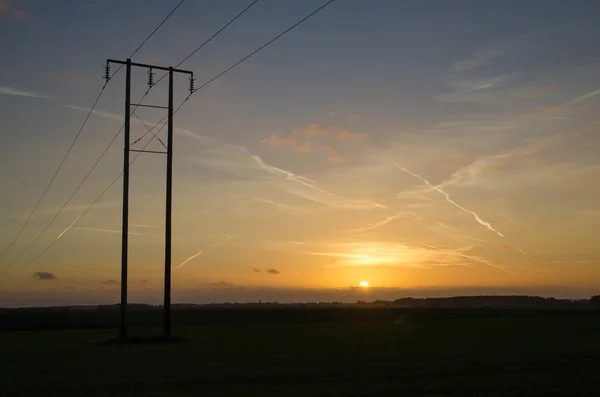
x=363, y=284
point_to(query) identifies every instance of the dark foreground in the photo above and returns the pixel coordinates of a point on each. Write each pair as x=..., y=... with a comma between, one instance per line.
x=553, y=354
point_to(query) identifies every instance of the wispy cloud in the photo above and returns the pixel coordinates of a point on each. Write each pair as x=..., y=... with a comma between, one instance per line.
x=276, y=141
x=9, y=9
x=477, y=60
x=9, y=90
x=474, y=89
x=334, y=156
x=317, y=129
x=392, y=254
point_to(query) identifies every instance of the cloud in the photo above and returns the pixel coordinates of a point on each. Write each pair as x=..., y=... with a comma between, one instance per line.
x=304, y=147
x=477, y=60
x=273, y=271
x=393, y=254
x=8, y=90
x=276, y=141
x=313, y=129
x=477, y=89
x=239, y=161
x=9, y=9
x=476, y=172
x=255, y=270
x=334, y=156
x=44, y=276
x=317, y=129
x=347, y=135
x=519, y=44
x=222, y=284
x=110, y=281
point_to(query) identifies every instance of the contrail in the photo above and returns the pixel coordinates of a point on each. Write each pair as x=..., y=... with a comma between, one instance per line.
x=189, y=259
x=581, y=98
x=7, y=90
x=477, y=218
x=70, y=226
x=384, y=222
x=93, y=229
x=288, y=175
x=275, y=203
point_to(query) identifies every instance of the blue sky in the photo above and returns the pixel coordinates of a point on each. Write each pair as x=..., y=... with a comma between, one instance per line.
x=426, y=147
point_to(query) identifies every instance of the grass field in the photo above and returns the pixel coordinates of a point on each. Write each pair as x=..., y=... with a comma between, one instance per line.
x=461, y=356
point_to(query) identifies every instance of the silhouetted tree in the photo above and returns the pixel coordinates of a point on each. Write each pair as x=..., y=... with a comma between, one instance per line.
x=595, y=301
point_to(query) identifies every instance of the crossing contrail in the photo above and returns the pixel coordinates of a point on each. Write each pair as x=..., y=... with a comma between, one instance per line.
x=189, y=259
x=477, y=218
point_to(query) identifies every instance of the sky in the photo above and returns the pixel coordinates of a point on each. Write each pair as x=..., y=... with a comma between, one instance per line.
x=427, y=148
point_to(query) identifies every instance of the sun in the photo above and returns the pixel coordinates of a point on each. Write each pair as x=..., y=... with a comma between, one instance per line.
x=363, y=284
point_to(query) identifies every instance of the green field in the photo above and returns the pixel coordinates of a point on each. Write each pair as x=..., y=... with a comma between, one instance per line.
x=553, y=355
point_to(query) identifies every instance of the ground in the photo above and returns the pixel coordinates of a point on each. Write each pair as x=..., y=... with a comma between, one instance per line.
x=507, y=356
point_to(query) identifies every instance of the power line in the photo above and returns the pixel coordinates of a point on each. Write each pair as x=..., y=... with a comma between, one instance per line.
x=187, y=98
x=261, y=47
x=62, y=162
x=96, y=200
x=155, y=29
x=133, y=113
x=151, y=34
x=211, y=37
x=60, y=165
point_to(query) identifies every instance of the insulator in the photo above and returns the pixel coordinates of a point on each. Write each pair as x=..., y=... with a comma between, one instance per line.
x=107, y=71
x=150, y=77
x=192, y=80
